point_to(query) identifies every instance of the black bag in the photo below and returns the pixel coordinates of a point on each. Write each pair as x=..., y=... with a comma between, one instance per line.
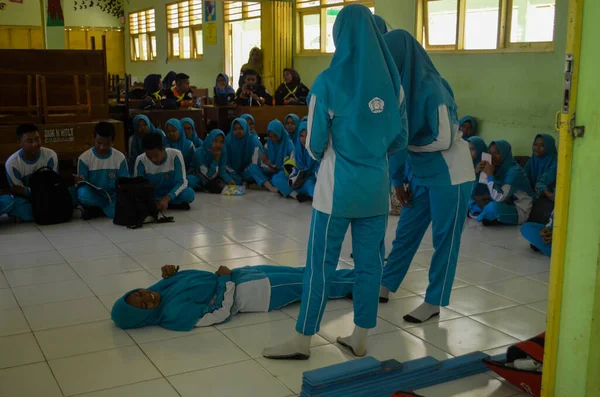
x=135, y=203
x=541, y=210
x=51, y=201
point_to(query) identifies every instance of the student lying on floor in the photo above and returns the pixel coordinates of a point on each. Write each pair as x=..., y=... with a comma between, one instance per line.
x=481, y=195
x=165, y=169
x=539, y=236
x=468, y=127
x=98, y=169
x=175, y=139
x=196, y=298
x=510, y=191
x=189, y=127
x=208, y=172
x=543, y=159
x=292, y=124
x=21, y=164
x=141, y=127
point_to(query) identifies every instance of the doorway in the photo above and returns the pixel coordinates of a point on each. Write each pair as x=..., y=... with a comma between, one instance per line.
x=242, y=33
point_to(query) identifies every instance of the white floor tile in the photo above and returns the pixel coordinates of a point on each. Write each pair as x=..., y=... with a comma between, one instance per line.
x=541, y=306
x=7, y=300
x=396, y=309
x=461, y=336
x=181, y=229
x=290, y=372
x=162, y=244
x=19, y=382
x=98, y=267
x=341, y=323
x=480, y=273
x=39, y=275
x=242, y=320
x=293, y=258
x=480, y=385
x=223, y=252
x=155, y=333
x=82, y=338
x=473, y=300
x=200, y=240
x=32, y=259
x=13, y=322
x=150, y=388
x=207, y=267
x=93, y=252
x=81, y=239
x=250, y=234
x=18, y=350
x=101, y=370
x=521, y=289
x=120, y=234
x=519, y=322
x=23, y=245
x=3, y=281
x=206, y=350
x=211, y=214
x=52, y=292
x=293, y=310
x=417, y=282
x=175, y=257
x=62, y=314
x=109, y=300
x=241, y=262
x=109, y=283
x=276, y=246
x=543, y=277
x=248, y=376
x=401, y=346
x=423, y=257
x=230, y=224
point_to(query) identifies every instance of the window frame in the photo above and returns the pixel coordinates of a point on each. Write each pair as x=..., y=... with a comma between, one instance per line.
x=150, y=37
x=179, y=31
x=503, y=43
x=321, y=10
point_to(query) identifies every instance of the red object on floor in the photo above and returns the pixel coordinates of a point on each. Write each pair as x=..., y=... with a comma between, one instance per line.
x=405, y=394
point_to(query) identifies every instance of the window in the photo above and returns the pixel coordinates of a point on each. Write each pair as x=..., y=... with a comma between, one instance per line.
x=315, y=23
x=142, y=36
x=241, y=10
x=184, y=29
x=242, y=33
x=487, y=24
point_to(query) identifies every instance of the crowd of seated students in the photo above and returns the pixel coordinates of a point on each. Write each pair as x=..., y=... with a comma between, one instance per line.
x=510, y=194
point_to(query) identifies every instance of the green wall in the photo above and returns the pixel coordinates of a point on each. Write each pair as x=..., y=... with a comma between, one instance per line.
x=202, y=72
x=514, y=96
x=579, y=338
x=26, y=14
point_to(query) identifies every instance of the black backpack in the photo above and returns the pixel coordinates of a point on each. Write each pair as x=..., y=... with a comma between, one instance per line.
x=135, y=203
x=51, y=201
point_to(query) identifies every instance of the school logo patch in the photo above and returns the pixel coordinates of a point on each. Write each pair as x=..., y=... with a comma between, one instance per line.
x=111, y=175
x=376, y=105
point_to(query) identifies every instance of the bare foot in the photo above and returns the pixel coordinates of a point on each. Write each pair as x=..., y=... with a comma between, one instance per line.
x=271, y=188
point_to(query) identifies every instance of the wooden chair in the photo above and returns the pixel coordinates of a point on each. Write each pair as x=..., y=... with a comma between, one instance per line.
x=31, y=112
x=68, y=113
x=201, y=93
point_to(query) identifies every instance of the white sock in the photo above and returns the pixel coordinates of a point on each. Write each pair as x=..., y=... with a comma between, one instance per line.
x=384, y=294
x=357, y=342
x=294, y=194
x=297, y=348
x=422, y=313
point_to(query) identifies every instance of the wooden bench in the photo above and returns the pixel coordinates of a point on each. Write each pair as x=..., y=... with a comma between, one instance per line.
x=263, y=115
x=219, y=117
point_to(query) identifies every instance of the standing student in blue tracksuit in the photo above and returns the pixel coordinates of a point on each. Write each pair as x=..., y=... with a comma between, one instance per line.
x=441, y=177
x=539, y=236
x=165, y=169
x=141, y=127
x=196, y=298
x=244, y=152
x=480, y=192
x=509, y=187
x=352, y=128
x=176, y=139
x=98, y=169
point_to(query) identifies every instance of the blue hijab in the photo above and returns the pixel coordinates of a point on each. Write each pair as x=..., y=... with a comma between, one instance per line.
x=278, y=152
x=240, y=151
x=135, y=149
x=424, y=88
x=473, y=124
x=207, y=147
x=480, y=147
x=538, y=166
x=296, y=134
x=183, y=144
x=247, y=117
x=184, y=300
x=510, y=172
x=303, y=159
x=304, y=119
x=382, y=26
x=195, y=138
x=348, y=88
x=228, y=89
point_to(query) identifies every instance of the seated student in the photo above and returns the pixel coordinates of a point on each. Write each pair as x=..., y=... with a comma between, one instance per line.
x=480, y=196
x=209, y=166
x=304, y=119
x=255, y=64
x=252, y=93
x=292, y=124
x=181, y=92
x=7, y=203
x=21, y=164
x=468, y=127
x=189, y=127
x=169, y=81
x=224, y=93
x=187, y=299
x=141, y=127
x=153, y=86
x=278, y=148
x=165, y=169
x=510, y=192
x=100, y=166
x=543, y=159
x=300, y=183
x=539, y=236
x=243, y=153
x=175, y=139
x=291, y=91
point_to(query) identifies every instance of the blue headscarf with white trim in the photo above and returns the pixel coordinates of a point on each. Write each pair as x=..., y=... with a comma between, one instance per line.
x=278, y=152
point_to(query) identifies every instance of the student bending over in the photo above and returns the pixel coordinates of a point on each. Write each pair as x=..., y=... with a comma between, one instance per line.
x=208, y=170
x=98, y=169
x=165, y=169
x=510, y=191
x=539, y=236
x=196, y=298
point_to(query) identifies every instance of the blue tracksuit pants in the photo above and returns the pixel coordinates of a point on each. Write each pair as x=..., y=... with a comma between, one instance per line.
x=280, y=181
x=531, y=232
x=186, y=196
x=502, y=212
x=324, y=246
x=7, y=203
x=90, y=197
x=446, y=208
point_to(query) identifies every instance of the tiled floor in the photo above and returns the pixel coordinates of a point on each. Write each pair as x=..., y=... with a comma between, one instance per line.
x=58, y=283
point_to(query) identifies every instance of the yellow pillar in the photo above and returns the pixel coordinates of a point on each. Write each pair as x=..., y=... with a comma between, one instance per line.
x=276, y=41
